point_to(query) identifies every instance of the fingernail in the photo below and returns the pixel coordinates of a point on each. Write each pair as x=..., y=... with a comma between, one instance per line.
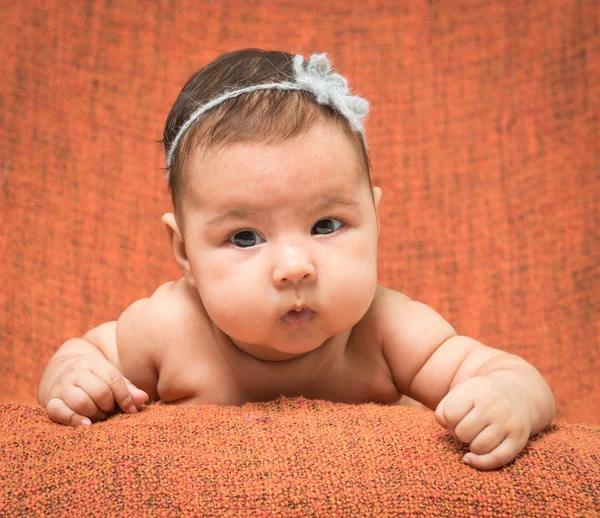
x=86, y=422
x=467, y=459
x=132, y=409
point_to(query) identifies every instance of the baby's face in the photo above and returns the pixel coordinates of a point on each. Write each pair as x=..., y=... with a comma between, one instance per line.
x=267, y=227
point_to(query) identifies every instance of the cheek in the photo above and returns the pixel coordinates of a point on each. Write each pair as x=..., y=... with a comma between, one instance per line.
x=228, y=288
x=350, y=277
x=354, y=285
x=359, y=253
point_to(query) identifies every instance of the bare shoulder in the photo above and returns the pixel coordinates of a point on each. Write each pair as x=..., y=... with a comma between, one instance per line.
x=171, y=299
x=159, y=316
x=178, y=306
x=385, y=303
x=399, y=314
x=148, y=313
x=385, y=296
x=371, y=326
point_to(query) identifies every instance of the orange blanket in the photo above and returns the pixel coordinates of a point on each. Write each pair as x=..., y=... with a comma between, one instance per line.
x=290, y=457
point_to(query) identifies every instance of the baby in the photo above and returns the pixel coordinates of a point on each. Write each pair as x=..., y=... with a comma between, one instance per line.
x=275, y=228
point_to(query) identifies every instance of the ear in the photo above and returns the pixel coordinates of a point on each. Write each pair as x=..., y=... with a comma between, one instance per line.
x=176, y=240
x=377, y=198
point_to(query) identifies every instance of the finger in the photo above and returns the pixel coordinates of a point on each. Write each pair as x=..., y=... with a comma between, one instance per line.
x=59, y=411
x=138, y=395
x=116, y=382
x=454, y=407
x=472, y=425
x=498, y=457
x=488, y=440
x=439, y=413
x=98, y=391
x=79, y=401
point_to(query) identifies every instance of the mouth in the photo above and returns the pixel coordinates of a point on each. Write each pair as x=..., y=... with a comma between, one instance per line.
x=299, y=317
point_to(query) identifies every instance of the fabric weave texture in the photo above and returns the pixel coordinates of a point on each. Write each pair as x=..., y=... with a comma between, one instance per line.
x=290, y=457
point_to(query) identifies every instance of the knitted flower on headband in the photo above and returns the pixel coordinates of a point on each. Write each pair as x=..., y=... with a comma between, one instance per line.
x=330, y=88
x=314, y=77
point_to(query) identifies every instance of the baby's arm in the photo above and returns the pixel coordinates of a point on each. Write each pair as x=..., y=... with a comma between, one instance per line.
x=113, y=364
x=484, y=396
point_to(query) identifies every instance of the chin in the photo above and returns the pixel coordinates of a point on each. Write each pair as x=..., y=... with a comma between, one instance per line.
x=295, y=344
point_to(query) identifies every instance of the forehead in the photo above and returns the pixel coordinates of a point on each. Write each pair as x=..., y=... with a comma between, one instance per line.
x=321, y=161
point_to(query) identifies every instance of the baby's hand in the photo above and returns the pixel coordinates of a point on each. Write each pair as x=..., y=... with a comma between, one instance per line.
x=89, y=387
x=491, y=414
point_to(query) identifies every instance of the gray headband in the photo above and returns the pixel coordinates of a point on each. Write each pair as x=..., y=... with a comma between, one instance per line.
x=316, y=77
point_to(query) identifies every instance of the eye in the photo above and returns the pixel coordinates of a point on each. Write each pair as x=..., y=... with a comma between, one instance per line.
x=248, y=238
x=244, y=238
x=328, y=226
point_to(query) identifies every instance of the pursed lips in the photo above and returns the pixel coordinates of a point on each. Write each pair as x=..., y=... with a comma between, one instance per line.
x=298, y=315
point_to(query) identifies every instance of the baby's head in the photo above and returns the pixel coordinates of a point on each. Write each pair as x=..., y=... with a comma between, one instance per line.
x=273, y=200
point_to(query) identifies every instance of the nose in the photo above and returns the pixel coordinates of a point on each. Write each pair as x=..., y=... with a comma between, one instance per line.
x=293, y=265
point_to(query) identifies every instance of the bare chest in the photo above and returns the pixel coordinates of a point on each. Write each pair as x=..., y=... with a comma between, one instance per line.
x=206, y=370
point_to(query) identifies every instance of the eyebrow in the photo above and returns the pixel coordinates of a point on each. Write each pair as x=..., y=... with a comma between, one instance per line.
x=244, y=212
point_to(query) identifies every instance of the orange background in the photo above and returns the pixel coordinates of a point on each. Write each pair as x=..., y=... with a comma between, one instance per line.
x=483, y=134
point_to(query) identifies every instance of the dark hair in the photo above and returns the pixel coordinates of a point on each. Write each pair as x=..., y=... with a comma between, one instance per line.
x=267, y=116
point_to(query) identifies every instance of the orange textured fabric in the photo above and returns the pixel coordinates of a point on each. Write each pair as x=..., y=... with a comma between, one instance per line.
x=290, y=457
x=483, y=134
